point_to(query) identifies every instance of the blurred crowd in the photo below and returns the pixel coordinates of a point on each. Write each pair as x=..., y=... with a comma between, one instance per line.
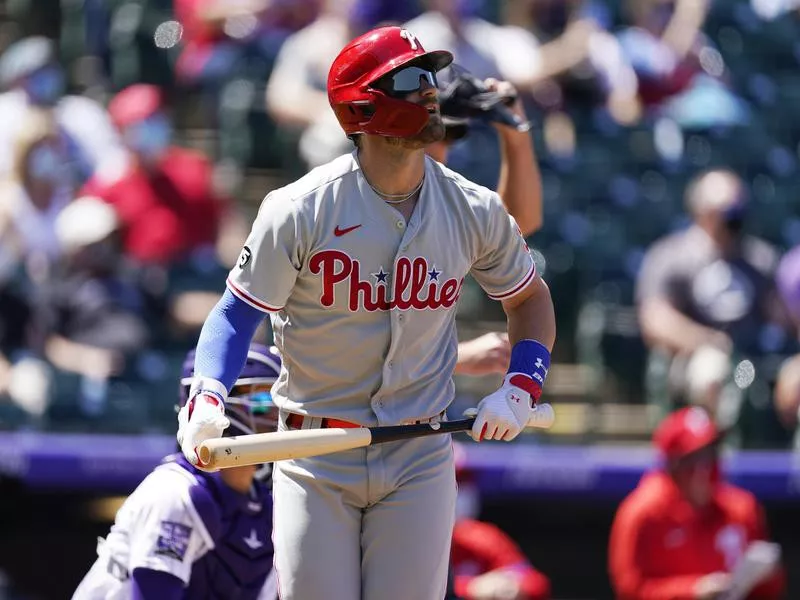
x=131, y=132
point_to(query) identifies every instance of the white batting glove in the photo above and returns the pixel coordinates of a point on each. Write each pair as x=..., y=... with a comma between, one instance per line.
x=200, y=419
x=503, y=414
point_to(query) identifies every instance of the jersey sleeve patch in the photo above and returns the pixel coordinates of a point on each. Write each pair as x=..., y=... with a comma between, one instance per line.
x=173, y=540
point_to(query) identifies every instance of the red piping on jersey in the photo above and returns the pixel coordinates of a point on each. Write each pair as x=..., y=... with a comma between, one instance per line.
x=517, y=288
x=254, y=302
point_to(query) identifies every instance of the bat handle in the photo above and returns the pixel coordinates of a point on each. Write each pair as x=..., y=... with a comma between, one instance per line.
x=393, y=433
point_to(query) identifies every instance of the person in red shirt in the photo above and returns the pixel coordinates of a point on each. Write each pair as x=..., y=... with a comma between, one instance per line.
x=681, y=533
x=166, y=199
x=485, y=563
x=172, y=220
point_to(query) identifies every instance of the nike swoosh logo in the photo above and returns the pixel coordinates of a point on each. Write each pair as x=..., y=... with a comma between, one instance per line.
x=340, y=232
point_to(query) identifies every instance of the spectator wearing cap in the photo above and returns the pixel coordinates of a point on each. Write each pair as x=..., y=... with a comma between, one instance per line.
x=485, y=563
x=166, y=199
x=35, y=191
x=172, y=220
x=33, y=79
x=683, y=531
x=710, y=284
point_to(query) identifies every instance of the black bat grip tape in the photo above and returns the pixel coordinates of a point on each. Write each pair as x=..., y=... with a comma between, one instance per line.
x=394, y=433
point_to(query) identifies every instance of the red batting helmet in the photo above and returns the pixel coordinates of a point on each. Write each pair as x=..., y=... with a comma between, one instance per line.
x=361, y=108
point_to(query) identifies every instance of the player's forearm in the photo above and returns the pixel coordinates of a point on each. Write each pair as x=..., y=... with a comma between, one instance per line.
x=532, y=318
x=520, y=183
x=224, y=340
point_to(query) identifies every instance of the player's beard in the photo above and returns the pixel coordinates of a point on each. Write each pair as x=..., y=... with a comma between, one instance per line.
x=432, y=132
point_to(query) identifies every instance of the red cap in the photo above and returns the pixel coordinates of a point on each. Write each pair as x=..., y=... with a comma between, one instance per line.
x=685, y=431
x=135, y=103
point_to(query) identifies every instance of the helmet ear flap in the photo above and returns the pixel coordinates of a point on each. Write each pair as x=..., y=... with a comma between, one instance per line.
x=382, y=115
x=397, y=118
x=357, y=114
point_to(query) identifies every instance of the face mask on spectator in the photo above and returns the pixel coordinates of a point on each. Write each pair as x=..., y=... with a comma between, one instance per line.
x=46, y=86
x=45, y=164
x=733, y=219
x=150, y=137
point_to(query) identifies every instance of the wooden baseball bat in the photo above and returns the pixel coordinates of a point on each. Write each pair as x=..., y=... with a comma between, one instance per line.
x=259, y=448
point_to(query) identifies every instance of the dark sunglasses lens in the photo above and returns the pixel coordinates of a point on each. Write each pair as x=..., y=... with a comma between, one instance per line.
x=408, y=80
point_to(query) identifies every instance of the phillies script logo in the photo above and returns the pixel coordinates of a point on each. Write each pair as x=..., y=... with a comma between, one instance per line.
x=415, y=285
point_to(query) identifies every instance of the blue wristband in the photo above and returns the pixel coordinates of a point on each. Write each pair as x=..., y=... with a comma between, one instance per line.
x=530, y=358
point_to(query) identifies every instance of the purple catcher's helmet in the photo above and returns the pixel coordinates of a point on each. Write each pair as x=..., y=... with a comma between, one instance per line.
x=249, y=405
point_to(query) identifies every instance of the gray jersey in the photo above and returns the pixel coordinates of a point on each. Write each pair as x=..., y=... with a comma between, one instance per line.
x=362, y=303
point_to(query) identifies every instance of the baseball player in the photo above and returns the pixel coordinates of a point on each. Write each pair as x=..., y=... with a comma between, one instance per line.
x=184, y=534
x=684, y=531
x=360, y=265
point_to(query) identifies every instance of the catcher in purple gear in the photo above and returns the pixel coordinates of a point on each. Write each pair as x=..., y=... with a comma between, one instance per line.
x=185, y=534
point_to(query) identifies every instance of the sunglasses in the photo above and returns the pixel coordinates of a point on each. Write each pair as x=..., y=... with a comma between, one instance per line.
x=405, y=81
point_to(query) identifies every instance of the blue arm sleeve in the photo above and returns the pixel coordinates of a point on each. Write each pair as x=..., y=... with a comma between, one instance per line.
x=148, y=584
x=225, y=339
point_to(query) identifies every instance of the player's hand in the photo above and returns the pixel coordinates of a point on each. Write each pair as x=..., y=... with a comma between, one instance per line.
x=503, y=414
x=495, y=585
x=201, y=418
x=711, y=587
x=505, y=88
x=484, y=355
